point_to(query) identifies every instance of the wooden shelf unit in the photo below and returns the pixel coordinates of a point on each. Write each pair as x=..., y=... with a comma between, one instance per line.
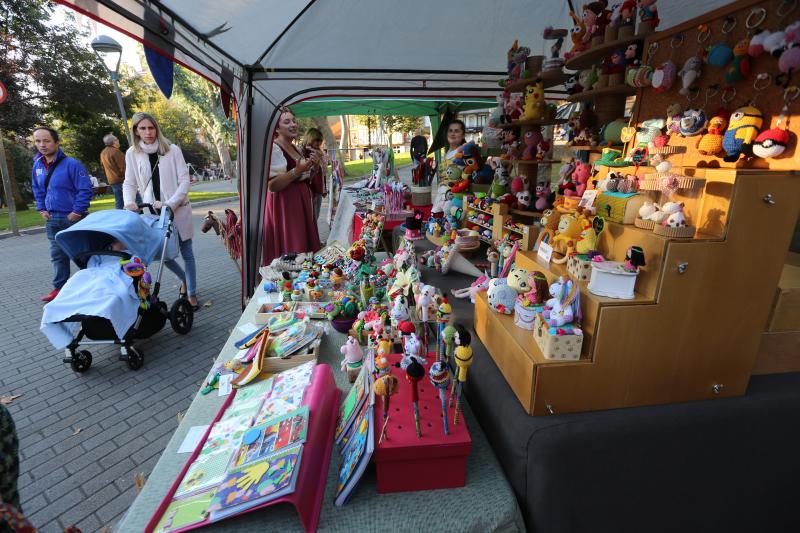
x=596, y=54
x=524, y=123
x=692, y=332
x=616, y=90
x=550, y=79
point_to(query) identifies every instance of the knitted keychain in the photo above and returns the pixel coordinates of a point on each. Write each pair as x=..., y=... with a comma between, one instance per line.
x=773, y=142
x=440, y=378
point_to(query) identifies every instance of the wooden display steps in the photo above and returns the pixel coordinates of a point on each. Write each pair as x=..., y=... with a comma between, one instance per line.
x=692, y=333
x=550, y=78
x=786, y=311
x=596, y=54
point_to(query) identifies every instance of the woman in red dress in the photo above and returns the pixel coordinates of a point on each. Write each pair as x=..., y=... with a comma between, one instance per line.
x=289, y=224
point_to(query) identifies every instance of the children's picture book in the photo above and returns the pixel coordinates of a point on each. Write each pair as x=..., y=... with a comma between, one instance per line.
x=356, y=453
x=184, y=512
x=257, y=483
x=255, y=391
x=272, y=436
x=352, y=402
x=207, y=471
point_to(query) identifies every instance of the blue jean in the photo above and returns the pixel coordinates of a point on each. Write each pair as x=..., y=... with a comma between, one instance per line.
x=190, y=276
x=117, y=188
x=58, y=257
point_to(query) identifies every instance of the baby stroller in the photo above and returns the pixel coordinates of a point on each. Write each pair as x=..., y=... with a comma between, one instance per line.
x=101, y=304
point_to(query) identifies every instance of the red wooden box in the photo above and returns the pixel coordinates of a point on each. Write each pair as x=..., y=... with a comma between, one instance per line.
x=405, y=462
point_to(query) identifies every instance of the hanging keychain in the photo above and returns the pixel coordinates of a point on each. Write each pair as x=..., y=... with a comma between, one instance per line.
x=774, y=141
x=693, y=67
x=664, y=76
x=711, y=142
x=720, y=54
x=745, y=124
x=755, y=19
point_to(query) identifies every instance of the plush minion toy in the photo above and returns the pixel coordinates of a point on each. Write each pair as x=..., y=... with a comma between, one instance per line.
x=742, y=131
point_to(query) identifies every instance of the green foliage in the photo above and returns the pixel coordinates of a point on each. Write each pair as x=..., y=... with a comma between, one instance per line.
x=83, y=140
x=48, y=70
x=20, y=162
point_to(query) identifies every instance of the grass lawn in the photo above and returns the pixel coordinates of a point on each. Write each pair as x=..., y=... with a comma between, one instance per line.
x=362, y=167
x=27, y=219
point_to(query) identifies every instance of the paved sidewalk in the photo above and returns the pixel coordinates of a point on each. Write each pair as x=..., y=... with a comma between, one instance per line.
x=84, y=437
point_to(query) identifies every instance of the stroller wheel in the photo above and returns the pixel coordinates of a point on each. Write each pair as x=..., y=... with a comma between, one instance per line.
x=81, y=361
x=181, y=316
x=135, y=358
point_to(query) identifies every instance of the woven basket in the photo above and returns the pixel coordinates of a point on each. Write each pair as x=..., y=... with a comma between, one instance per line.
x=652, y=182
x=420, y=195
x=686, y=232
x=644, y=224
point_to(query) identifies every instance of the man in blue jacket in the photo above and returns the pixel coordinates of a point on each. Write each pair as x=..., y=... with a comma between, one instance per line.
x=62, y=189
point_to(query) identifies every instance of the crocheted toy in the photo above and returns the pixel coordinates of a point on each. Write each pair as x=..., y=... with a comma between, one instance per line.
x=711, y=142
x=534, y=101
x=501, y=297
x=771, y=143
x=542, y=197
x=564, y=306
x=439, y=375
x=689, y=74
x=581, y=175
x=463, y=359
x=577, y=34
x=693, y=122
x=534, y=144
x=742, y=131
x=500, y=182
x=739, y=68
x=353, y=358
x=386, y=386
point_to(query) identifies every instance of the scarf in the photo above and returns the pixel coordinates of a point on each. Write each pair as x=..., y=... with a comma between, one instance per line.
x=148, y=148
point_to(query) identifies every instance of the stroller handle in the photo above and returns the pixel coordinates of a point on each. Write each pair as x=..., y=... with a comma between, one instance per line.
x=153, y=210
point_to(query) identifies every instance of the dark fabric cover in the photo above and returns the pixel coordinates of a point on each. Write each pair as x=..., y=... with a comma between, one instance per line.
x=726, y=465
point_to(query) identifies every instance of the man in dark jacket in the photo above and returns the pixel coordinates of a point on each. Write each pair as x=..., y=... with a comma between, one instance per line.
x=62, y=189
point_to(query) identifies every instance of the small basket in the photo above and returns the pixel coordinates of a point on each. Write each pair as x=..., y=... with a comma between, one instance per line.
x=685, y=232
x=420, y=195
x=618, y=78
x=525, y=317
x=644, y=224
x=343, y=325
x=652, y=181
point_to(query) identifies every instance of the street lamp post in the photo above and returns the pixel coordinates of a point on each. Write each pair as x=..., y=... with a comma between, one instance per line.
x=110, y=53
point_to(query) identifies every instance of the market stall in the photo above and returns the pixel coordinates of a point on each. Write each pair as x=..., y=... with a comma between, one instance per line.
x=616, y=282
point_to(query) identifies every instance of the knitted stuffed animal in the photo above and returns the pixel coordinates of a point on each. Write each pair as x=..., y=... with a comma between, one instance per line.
x=564, y=306
x=353, y=358
x=711, y=142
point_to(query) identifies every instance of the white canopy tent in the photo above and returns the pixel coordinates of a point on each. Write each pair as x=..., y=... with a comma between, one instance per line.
x=272, y=53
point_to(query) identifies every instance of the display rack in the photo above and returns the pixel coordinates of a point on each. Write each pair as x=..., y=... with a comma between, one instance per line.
x=701, y=305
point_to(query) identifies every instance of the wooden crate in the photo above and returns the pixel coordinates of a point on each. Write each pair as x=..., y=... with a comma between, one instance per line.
x=273, y=365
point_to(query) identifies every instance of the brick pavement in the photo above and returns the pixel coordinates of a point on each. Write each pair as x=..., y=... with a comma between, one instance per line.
x=84, y=437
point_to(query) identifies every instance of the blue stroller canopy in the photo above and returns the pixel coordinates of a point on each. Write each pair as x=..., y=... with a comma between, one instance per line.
x=142, y=235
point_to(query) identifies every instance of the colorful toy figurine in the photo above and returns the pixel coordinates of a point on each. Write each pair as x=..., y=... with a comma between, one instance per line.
x=386, y=386
x=463, y=360
x=742, y=131
x=711, y=142
x=414, y=373
x=564, y=306
x=648, y=13
x=534, y=101
x=689, y=74
x=634, y=259
x=353, y=358
x=440, y=378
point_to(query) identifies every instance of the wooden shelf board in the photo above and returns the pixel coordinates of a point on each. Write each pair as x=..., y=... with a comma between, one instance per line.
x=479, y=210
x=595, y=54
x=616, y=90
x=519, y=231
x=556, y=270
x=484, y=226
x=522, y=337
x=487, y=241
x=521, y=123
x=595, y=149
x=550, y=78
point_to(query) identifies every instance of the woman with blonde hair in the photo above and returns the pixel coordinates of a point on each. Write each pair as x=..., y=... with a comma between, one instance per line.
x=289, y=224
x=155, y=168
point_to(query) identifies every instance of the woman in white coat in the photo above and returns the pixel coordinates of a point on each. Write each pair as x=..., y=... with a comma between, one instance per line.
x=155, y=168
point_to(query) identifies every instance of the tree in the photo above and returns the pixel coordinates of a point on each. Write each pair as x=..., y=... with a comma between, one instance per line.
x=51, y=75
x=202, y=101
x=392, y=124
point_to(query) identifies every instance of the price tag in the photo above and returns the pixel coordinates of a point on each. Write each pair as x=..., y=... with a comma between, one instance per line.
x=587, y=200
x=545, y=252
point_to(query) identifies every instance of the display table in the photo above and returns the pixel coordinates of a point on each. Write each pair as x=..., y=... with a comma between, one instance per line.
x=486, y=503
x=347, y=224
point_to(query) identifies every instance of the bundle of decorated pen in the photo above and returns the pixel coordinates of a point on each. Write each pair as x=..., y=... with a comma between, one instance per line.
x=394, y=197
